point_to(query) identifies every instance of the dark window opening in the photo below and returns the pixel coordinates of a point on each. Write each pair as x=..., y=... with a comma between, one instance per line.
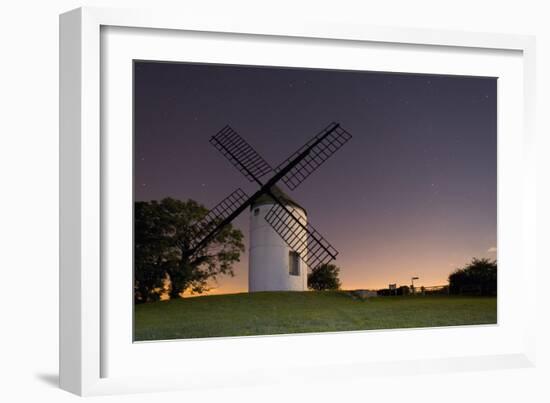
x=293, y=263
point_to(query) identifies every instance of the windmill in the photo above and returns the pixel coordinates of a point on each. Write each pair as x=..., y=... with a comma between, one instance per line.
x=286, y=219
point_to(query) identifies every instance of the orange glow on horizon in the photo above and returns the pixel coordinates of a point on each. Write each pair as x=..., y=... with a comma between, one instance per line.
x=375, y=275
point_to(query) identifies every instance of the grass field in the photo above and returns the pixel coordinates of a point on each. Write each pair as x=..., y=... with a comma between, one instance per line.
x=302, y=312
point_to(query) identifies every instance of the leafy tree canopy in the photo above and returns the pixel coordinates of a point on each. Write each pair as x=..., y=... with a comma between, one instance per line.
x=478, y=277
x=164, y=232
x=324, y=277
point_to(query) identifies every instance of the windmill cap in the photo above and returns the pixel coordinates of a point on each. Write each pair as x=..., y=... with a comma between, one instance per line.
x=278, y=193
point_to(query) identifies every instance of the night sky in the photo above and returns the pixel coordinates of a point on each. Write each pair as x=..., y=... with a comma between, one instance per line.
x=412, y=194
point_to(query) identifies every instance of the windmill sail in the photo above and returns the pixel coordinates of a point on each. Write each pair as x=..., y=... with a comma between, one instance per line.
x=302, y=238
x=240, y=154
x=218, y=217
x=322, y=146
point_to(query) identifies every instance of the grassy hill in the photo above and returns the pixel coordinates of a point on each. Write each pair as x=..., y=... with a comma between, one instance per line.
x=301, y=312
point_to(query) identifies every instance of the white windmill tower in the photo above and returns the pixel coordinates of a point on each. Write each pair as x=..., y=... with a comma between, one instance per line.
x=272, y=264
x=283, y=244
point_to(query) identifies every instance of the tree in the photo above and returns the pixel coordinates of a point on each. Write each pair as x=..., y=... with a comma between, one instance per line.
x=149, y=253
x=479, y=277
x=164, y=232
x=324, y=277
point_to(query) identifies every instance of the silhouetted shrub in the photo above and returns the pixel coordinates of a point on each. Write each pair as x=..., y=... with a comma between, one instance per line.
x=477, y=278
x=324, y=277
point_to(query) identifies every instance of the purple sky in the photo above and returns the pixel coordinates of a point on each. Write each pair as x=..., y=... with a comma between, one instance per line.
x=413, y=193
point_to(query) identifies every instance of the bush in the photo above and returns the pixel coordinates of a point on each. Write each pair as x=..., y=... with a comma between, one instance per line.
x=386, y=292
x=324, y=277
x=477, y=278
x=403, y=290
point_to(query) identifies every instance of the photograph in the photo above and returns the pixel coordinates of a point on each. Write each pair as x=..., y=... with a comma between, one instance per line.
x=275, y=200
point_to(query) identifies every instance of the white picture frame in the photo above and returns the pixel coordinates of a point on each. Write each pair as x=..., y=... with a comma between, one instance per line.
x=86, y=303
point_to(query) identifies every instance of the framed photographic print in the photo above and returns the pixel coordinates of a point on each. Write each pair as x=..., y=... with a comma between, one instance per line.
x=254, y=192
x=410, y=191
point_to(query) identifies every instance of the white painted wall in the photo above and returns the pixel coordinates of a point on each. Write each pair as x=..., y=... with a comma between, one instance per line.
x=268, y=264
